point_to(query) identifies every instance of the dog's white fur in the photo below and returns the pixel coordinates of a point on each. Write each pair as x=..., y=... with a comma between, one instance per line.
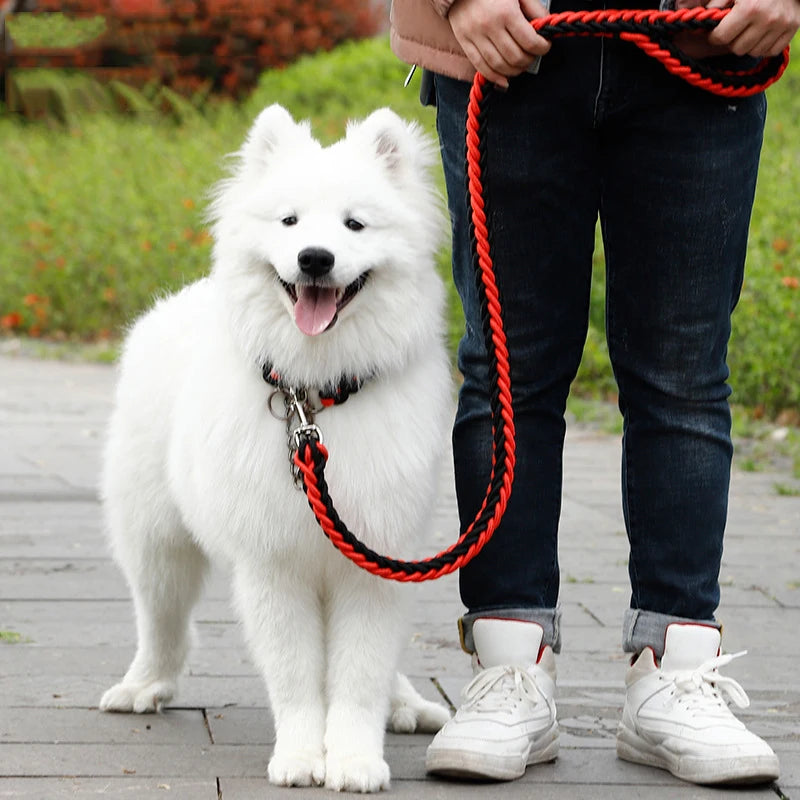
x=196, y=467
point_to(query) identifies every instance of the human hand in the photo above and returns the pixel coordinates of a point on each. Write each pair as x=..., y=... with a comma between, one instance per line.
x=496, y=35
x=756, y=27
x=695, y=44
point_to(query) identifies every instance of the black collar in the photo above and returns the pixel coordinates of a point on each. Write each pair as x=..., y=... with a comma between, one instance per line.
x=331, y=394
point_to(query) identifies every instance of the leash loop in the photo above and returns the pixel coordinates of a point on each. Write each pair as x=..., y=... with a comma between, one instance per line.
x=651, y=32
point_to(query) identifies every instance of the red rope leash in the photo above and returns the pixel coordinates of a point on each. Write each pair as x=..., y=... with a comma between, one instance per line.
x=648, y=30
x=652, y=32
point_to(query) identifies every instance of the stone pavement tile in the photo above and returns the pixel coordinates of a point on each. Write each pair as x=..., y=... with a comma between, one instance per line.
x=107, y=622
x=144, y=761
x=130, y=787
x=26, y=660
x=85, y=691
x=54, y=578
x=261, y=789
x=789, y=597
x=71, y=518
x=34, y=488
x=767, y=510
x=84, y=577
x=441, y=657
x=78, y=725
x=760, y=631
x=36, y=543
x=583, y=769
x=760, y=671
x=255, y=726
x=789, y=754
x=609, y=597
x=30, y=660
x=57, y=453
x=51, y=529
x=235, y=725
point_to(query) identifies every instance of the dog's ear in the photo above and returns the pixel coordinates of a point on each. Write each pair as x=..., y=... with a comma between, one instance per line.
x=273, y=127
x=399, y=144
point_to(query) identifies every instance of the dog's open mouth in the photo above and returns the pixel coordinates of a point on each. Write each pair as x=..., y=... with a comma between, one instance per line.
x=316, y=307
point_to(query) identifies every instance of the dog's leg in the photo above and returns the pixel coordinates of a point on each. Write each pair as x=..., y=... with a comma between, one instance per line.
x=165, y=576
x=364, y=632
x=411, y=712
x=281, y=613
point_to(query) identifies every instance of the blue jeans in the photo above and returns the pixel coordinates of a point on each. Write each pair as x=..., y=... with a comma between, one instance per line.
x=671, y=172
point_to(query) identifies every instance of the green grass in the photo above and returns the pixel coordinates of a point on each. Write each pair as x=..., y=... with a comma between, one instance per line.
x=105, y=213
x=54, y=30
x=12, y=637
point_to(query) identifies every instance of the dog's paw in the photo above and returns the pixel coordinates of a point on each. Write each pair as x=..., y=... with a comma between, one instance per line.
x=141, y=698
x=410, y=712
x=356, y=773
x=297, y=769
x=422, y=717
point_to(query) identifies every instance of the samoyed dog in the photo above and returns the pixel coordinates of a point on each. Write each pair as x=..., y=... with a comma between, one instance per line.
x=322, y=277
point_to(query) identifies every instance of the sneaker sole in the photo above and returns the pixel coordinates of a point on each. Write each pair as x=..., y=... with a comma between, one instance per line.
x=739, y=770
x=474, y=765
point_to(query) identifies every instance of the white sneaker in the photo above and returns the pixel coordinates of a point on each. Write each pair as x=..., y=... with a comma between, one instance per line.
x=675, y=716
x=507, y=719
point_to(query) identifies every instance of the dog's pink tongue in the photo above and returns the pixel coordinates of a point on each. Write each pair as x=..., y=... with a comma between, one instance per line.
x=315, y=309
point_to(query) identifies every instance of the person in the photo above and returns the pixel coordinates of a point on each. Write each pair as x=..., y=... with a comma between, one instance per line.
x=599, y=129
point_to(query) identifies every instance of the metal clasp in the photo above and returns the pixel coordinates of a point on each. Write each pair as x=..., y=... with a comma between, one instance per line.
x=296, y=404
x=306, y=429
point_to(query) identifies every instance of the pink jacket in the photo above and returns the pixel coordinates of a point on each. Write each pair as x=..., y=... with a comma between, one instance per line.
x=421, y=35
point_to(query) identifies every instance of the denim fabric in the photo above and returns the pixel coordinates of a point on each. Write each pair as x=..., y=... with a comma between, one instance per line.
x=548, y=618
x=603, y=130
x=642, y=629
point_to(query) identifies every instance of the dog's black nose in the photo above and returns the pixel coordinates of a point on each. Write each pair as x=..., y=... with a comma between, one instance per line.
x=315, y=261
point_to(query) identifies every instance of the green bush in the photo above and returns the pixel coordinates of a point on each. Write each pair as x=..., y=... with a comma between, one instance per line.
x=54, y=30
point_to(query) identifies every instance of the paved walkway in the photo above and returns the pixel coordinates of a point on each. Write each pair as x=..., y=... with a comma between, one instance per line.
x=67, y=607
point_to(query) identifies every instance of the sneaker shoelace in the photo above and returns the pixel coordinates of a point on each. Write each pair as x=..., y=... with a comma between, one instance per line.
x=500, y=688
x=702, y=688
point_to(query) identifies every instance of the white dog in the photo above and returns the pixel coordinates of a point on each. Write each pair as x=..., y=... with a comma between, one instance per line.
x=323, y=270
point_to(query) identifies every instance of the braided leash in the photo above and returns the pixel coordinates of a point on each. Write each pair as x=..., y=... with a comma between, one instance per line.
x=652, y=32
x=648, y=30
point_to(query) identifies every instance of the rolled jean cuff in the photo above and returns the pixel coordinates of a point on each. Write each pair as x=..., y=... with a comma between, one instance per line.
x=642, y=629
x=548, y=618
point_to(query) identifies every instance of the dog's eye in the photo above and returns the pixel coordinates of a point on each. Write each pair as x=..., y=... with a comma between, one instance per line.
x=353, y=224
x=291, y=219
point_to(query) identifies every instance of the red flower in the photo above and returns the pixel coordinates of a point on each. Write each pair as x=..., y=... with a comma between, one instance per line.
x=11, y=321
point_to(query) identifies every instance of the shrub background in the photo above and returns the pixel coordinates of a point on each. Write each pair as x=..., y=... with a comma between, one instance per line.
x=101, y=217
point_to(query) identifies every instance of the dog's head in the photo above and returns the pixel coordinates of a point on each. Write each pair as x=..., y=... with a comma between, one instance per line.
x=328, y=249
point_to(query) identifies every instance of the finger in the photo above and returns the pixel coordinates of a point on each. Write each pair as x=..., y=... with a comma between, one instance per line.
x=526, y=38
x=729, y=28
x=533, y=9
x=515, y=56
x=748, y=42
x=504, y=55
x=769, y=45
x=475, y=55
x=782, y=43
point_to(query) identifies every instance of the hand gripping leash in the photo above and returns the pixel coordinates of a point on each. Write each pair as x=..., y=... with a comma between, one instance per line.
x=648, y=30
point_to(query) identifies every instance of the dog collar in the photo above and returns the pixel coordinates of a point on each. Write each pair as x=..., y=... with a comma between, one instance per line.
x=331, y=394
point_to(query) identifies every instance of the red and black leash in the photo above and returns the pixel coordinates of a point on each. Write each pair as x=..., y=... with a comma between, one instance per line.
x=649, y=30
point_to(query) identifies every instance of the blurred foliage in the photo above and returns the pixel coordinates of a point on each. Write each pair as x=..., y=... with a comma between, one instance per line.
x=105, y=213
x=54, y=30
